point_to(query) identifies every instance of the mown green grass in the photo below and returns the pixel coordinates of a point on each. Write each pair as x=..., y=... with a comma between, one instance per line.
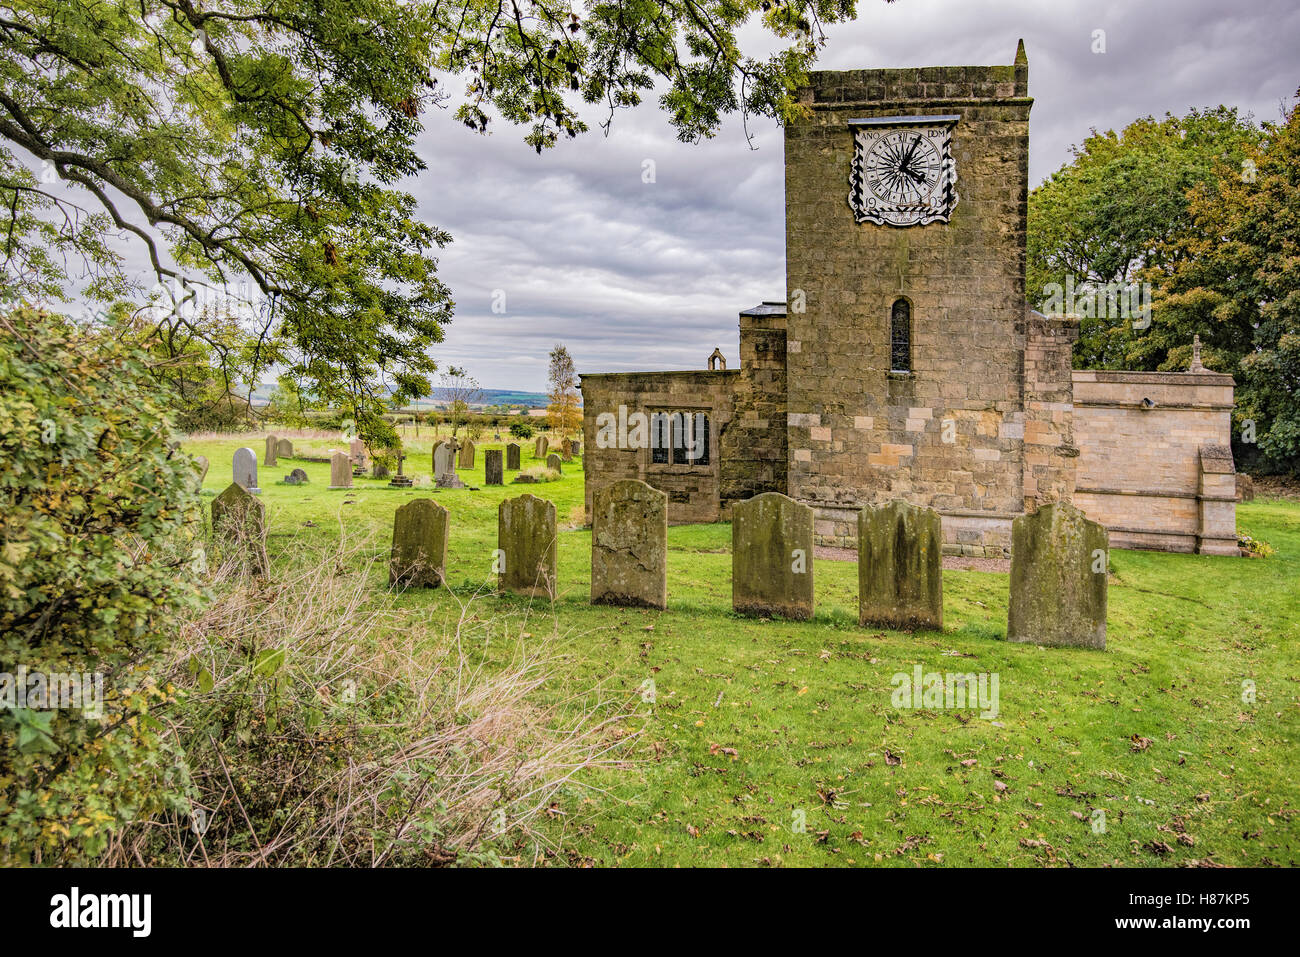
x=755, y=724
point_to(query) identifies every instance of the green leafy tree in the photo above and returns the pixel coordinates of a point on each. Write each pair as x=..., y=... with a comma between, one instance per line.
x=1236, y=284
x=1108, y=216
x=99, y=560
x=262, y=142
x=564, y=411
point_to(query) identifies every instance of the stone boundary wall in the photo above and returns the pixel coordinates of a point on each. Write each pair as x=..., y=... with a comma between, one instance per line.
x=1140, y=436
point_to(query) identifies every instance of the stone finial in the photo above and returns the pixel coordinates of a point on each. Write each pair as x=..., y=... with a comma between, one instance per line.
x=1196, y=355
x=1022, y=59
x=717, y=361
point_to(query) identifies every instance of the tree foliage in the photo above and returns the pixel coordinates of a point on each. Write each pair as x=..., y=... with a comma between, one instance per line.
x=564, y=410
x=98, y=526
x=264, y=142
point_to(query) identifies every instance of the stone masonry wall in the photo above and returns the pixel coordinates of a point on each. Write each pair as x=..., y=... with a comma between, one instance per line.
x=858, y=433
x=1140, y=436
x=754, y=447
x=692, y=489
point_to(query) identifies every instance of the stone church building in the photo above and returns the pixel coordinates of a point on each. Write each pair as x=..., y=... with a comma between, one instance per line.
x=905, y=363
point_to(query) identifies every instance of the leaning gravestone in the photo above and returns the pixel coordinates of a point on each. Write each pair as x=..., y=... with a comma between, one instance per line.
x=492, y=471
x=245, y=469
x=444, y=467
x=272, y=443
x=239, y=525
x=340, y=470
x=629, y=545
x=539, y=449
x=512, y=456
x=419, y=557
x=284, y=449
x=553, y=463
x=296, y=477
x=201, y=463
x=466, y=460
x=526, y=544
x=900, y=567
x=1058, y=578
x=771, y=557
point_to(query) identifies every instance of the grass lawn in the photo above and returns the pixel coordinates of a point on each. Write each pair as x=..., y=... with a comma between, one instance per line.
x=756, y=726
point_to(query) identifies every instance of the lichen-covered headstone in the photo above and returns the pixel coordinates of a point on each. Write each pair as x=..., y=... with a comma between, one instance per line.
x=244, y=466
x=900, y=567
x=466, y=460
x=553, y=463
x=772, y=557
x=419, y=557
x=284, y=449
x=340, y=470
x=539, y=449
x=272, y=444
x=512, y=457
x=493, y=474
x=357, y=452
x=526, y=546
x=1058, y=578
x=239, y=527
x=629, y=545
x=296, y=477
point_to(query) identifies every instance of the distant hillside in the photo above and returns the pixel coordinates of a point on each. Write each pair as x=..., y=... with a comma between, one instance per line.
x=510, y=397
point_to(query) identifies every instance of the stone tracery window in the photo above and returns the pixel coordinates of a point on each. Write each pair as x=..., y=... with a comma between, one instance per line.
x=900, y=337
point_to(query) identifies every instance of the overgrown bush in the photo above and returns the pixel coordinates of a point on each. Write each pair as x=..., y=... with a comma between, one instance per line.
x=97, y=522
x=521, y=430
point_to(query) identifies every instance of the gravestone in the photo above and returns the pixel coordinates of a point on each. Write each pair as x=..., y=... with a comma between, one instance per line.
x=566, y=450
x=340, y=470
x=400, y=480
x=379, y=471
x=629, y=545
x=577, y=449
x=1058, y=578
x=526, y=543
x=201, y=463
x=553, y=462
x=466, y=460
x=245, y=469
x=284, y=449
x=900, y=567
x=444, y=467
x=239, y=526
x=492, y=471
x=271, y=445
x=419, y=557
x=296, y=477
x=512, y=456
x=539, y=449
x=357, y=452
x=772, y=557
x=1245, y=488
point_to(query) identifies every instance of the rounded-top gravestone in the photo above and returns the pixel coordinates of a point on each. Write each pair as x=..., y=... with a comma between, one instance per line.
x=244, y=466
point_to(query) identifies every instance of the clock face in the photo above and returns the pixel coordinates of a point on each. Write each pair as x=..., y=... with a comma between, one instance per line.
x=903, y=175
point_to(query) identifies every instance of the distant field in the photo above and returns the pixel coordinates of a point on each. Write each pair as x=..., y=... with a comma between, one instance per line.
x=770, y=742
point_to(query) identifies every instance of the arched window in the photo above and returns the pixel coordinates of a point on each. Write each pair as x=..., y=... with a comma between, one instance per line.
x=900, y=337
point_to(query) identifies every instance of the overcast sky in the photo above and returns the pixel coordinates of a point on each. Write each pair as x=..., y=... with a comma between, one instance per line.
x=631, y=275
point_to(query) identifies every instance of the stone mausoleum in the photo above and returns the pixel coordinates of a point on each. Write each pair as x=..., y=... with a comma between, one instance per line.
x=904, y=362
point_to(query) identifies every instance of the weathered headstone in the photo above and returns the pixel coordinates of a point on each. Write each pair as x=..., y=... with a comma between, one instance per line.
x=201, y=462
x=1245, y=488
x=553, y=463
x=566, y=451
x=357, y=452
x=272, y=443
x=629, y=545
x=444, y=467
x=526, y=546
x=577, y=449
x=512, y=456
x=492, y=471
x=900, y=567
x=239, y=526
x=379, y=470
x=539, y=449
x=466, y=459
x=284, y=449
x=340, y=470
x=419, y=557
x=296, y=477
x=772, y=557
x=245, y=469
x=400, y=480
x=1058, y=578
